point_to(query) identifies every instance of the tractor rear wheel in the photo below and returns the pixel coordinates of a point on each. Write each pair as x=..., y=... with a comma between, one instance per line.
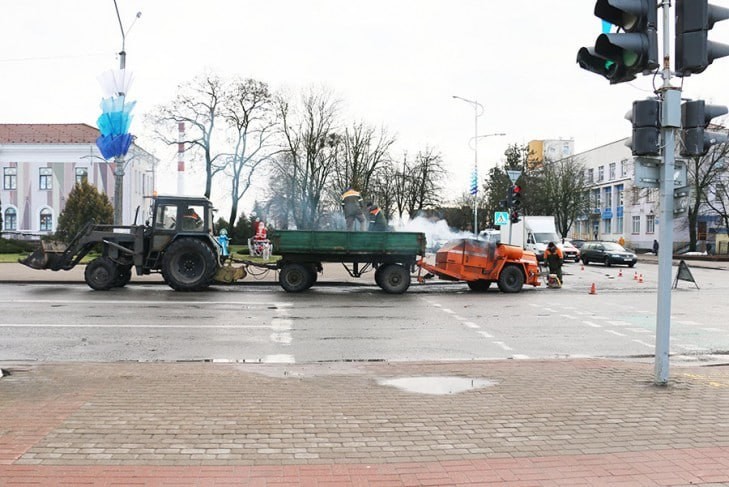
x=100, y=274
x=296, y=277
x=394, y=279
x=511, y=279
x=123, y=275
x=480, y=286
x=189, y=264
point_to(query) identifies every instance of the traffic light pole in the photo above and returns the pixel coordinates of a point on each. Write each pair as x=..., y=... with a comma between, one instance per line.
x=670, y=121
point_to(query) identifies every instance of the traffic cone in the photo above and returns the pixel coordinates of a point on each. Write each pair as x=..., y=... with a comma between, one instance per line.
x=635, y=276
x=593, y=289
x=620, y=273
x=640, y=279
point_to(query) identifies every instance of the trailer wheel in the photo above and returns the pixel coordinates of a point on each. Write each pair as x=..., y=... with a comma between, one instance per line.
x=511, y=279
x=100, y=274
x=394, y=279
x=123, y=275
x=480, y=286
x=189, y=265
x=295, y=278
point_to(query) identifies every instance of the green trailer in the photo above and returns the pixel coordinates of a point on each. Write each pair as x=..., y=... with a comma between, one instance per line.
x=392, y=256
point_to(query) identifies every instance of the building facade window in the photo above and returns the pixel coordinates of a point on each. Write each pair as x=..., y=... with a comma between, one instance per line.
x=596, y=200
x=45, y=180
x=612, y=168
x=608, y=197
x=590, y=176
x=10, y=219
x=607, y=226
x=600, y=173
x=650, y=224
x=82, y=174
x=620, y=191
x=635, y=230
x=619, y=224
x=10, y=178
x=46, y=220
x=623, y=168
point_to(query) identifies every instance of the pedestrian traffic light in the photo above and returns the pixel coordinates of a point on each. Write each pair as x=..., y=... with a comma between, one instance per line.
x=694, y=50
x=620, y=56
x=695, y=117
x=646, y=119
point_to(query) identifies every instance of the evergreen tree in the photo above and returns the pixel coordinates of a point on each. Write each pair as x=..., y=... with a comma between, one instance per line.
x=84, y=204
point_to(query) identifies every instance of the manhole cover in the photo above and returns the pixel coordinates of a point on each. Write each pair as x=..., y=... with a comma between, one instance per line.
x=437, y=385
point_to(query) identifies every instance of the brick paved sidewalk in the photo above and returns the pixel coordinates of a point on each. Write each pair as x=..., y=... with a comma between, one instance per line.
x=576, y=422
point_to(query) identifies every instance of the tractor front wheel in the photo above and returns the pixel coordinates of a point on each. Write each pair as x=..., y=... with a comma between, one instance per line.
x=100, y=274
x=189, y=264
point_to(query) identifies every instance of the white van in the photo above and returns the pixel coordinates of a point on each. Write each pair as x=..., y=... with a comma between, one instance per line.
x=531, y=233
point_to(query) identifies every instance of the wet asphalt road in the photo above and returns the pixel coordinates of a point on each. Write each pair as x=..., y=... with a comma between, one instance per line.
x=358, y=322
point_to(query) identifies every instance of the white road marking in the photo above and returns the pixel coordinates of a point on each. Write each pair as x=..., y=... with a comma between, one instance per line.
x=639, y=330
x=590, y=323
x=687, y=322
x=281, y=324
x=619, y=323
x=278, y=359
x=650, y=345
x=471, y=324
x=503, y=345
x=600, y=318
x=616, y=333
x=485, y=334
x=459, y=318
x=517, y=356
x=449, y=311
x=569, y=317
x=126, y=325
x=712, y=329
x=550, y=310
x=283, y=338
x=166, y=303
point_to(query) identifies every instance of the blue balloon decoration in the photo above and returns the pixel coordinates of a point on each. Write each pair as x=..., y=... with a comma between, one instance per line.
x=114, y=145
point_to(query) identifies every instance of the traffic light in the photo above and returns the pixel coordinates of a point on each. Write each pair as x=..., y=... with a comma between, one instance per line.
x=619, y=57
x=694, y=50
x=510, y=197
x=646, y=119
x=515, y=216
x=516, y=199
x=695, y=116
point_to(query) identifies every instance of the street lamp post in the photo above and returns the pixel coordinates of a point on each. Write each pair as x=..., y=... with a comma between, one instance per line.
x=476, y=114
x=119, y=162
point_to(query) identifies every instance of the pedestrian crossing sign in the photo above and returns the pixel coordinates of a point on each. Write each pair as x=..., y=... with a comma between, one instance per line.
x=501, y=218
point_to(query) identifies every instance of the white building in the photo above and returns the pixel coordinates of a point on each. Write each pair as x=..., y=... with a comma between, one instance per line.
x=617, y=207
x=548, y=150
x=40, y=163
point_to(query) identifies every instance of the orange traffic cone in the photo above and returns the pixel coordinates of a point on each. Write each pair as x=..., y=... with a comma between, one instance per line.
x=635, y=276
x=593, y=289
x=620, y=273
x=640, y=279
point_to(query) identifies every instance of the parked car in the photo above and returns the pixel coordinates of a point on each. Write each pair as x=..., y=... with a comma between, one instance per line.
x=608, y=253
x=570, y=252
x=577, y=242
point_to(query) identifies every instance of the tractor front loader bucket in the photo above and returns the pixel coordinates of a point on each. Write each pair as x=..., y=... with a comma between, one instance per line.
x=50, y=255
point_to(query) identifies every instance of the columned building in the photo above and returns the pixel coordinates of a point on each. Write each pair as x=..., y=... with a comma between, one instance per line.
x=39, y=165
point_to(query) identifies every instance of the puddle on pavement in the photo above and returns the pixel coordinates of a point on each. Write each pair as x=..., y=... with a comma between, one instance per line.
x=437, y=385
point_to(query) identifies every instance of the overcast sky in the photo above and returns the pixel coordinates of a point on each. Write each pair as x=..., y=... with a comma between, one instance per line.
x=395, y=63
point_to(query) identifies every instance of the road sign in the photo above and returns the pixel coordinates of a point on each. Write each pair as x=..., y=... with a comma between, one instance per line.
x=501, y=217
x=513, y=175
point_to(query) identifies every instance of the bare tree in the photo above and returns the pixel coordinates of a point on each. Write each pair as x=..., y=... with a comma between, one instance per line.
x=310, y=150
x=364, y=152
x=248, y=111
x=563, y=188
x=704, y=174
x=423, y=185
x=198, y=105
